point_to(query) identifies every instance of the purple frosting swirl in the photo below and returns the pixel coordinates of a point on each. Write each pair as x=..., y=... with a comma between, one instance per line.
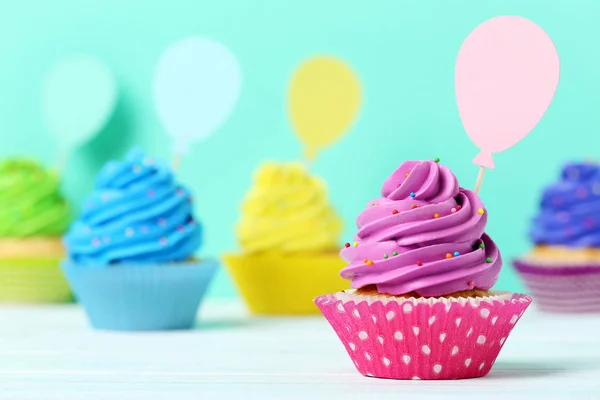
x=424, y=235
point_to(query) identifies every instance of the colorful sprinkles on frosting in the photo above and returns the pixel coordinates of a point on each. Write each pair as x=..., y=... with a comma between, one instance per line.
x=395, y=253
x=489, y=259
x=456, y=254
x=163, y=241
x=347, y=245
x=394, y=212
x=448, y=255
x=471, y=283
x=419, y=263
x=436, y=215
x=480, y=211
x=437, y=160
x=355, y=244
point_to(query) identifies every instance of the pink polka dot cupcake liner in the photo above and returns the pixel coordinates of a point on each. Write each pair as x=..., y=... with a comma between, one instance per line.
x=423, y=338
x=562, y=289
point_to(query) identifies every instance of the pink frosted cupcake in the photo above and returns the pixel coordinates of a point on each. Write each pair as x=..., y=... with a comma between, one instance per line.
x=422, y=268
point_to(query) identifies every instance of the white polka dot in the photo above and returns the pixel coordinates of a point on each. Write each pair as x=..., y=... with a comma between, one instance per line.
x=437, y=368
x=502, y=340
x=340, y=307
x=415, y=378
x=356, y=363
x=431, y=320
x=416, y=330
x=514, y=319
x=457, y=322
x=442, y=337
x=481, y=366
x=380, y=338
x=347, y=328
x=407, y=308
x=484, y=312
x=374, y=319
x=368, y=356
x=494, y=320
x=467, y=362
x=362, y=335
x=406, y=359
x=481, y=339
x=356, y=314
x=426, y=349
x=352, y=346
x=369, y=374
x=386, y=361
x=455, y=350
x=398, y=335
x=469, y=331
x=390, y=315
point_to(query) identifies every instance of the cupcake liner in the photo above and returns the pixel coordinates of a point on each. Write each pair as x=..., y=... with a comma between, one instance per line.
x=33, y=281
x=562, y=288
x=419, y=338
x=141, y=297
x=285, y=284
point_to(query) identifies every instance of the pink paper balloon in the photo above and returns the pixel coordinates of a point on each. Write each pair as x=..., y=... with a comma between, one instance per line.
x=506, y=75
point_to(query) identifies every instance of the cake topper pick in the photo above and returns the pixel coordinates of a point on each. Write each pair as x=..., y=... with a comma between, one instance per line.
x=197, y=83
x=323, y=100
x=78, y=98
x=506, y=75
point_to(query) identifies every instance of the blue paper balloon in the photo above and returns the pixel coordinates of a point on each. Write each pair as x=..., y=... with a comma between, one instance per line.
x=78, y=97
x=196, y=85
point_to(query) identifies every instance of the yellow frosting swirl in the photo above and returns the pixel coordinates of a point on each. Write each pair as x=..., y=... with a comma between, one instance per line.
x=287, y=211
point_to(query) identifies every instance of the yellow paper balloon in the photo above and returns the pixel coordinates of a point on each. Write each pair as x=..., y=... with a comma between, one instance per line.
x=324, y=99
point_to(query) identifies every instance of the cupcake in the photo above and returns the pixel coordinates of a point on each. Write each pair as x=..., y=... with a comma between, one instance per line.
x=33, y=217
x=562, y=271
x=130, y=254
x=421, y=271
x=289, y=237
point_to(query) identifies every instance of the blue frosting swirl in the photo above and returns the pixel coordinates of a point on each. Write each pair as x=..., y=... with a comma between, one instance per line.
x=570, y=209
x=136, y=214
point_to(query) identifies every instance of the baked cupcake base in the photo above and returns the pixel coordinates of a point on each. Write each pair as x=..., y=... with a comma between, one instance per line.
x=141, y=297
x=423, y=338
x=276, y=284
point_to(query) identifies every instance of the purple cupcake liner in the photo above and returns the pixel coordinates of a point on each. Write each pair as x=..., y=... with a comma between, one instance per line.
x=562, y=289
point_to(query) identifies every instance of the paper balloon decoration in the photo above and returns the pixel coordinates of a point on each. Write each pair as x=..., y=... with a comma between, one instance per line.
x=324, y=99
x=506, y=75
x=78, y=97
x=197, y=83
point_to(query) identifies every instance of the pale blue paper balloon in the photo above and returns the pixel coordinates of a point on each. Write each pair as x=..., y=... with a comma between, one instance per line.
x=196, y=85
x=78, y=98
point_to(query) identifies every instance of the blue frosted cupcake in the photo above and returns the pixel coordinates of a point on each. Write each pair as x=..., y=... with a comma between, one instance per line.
x=130, y=254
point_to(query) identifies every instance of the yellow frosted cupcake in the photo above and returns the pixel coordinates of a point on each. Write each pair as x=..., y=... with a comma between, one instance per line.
x=33, y=217
x=289, y=237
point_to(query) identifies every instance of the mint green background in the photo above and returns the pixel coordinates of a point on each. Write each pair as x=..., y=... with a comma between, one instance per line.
x=404, y=52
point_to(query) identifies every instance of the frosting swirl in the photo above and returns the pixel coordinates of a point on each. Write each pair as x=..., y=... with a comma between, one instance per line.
x=137, y=214
x=570, y=209
x=425, y=235
x=287, y=211
x=30, y=201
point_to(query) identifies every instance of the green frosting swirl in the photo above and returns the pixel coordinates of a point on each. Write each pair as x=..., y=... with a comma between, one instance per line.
x=30, y=201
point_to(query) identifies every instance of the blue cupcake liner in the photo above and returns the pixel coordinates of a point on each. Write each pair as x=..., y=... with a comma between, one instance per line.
x=140, y=297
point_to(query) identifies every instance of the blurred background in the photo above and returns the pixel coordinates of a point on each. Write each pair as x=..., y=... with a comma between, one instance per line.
x=403, y=54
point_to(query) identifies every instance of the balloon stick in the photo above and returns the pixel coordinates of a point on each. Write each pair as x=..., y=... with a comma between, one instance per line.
x=176, y=161
x=479, y=179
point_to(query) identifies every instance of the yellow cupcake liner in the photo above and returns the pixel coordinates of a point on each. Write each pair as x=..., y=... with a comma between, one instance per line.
x=33, y=280
x=276, y=284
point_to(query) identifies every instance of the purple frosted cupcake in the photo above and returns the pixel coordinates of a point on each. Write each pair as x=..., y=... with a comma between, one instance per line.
x=562, y=271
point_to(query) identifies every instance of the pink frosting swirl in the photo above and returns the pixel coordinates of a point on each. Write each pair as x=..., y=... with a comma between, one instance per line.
x=424, y=235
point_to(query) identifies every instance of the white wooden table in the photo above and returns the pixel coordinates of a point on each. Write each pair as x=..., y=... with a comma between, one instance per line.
x=50, y=352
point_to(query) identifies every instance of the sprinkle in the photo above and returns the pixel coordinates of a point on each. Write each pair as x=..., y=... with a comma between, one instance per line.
x=144, y=229
x=369, y=263
x=347, y=245
x=437, y=159
x=489, y=259
x=385, y=255
x=150, y=193
x=456, y=254
x=129, y=232
x=148, y=161
x=414, y=206
x=412, y=194
x=355, y=244
x=482, y=246
x=471, y=283
x=419, y=263
x=581, y=193
x=365, y=261
x=480, y=211
x=163, y=240
x=406, y=175
x=458, y=208
x=436, y=215
x=394, y=211
x=87, y=229
x=372, y=204
x=448, y=255
x=181, y=228
x=397, y=186
x=162, y=222
x=453, y=210
x=395, y=253
x=137, y=169
x=180, y=192
x=95, y=242
x=106, y=239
